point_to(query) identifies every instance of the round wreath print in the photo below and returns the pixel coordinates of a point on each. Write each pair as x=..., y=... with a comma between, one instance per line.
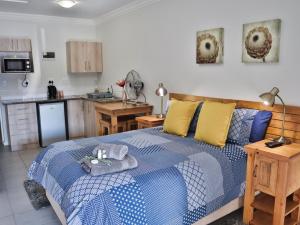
x=208, y=49
x=261, y=42
x=258, y=43
x=209, y=46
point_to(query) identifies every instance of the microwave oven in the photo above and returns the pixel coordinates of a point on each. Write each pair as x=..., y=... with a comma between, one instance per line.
x=17, y=65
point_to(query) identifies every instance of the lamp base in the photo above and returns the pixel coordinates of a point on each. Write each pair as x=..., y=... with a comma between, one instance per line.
x=283, y=140
x=161, y=116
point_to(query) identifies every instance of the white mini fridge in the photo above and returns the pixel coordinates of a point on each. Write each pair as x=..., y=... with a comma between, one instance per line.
x=53, y=125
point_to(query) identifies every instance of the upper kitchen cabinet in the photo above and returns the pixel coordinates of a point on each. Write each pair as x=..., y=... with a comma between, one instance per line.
x=15, y=45
x=84, y=57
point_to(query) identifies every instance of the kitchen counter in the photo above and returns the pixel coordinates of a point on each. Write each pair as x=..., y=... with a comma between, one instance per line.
x=34, y=100
x=45, y=100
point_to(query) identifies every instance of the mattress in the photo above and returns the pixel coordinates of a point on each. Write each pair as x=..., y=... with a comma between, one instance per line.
x=178, y=180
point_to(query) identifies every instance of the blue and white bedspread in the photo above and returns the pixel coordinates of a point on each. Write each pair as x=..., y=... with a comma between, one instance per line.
x=178, y=180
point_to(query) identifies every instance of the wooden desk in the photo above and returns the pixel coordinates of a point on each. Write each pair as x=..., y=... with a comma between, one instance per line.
x=117, y=109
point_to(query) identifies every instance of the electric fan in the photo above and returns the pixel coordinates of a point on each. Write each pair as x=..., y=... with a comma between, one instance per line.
x=134, y=87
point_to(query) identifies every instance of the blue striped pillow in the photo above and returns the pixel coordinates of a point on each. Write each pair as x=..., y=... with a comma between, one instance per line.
x=241, y=125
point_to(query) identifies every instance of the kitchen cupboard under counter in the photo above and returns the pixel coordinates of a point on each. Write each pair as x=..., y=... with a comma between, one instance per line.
x=20, y=121
x=22, y=126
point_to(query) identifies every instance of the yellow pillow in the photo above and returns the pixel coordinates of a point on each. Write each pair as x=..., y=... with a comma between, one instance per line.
x=214, y=122
x=179, y=117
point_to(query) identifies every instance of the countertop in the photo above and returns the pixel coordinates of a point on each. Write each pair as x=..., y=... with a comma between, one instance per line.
x=45, y=100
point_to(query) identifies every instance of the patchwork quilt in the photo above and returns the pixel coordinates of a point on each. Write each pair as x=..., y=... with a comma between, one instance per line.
x=178, y=180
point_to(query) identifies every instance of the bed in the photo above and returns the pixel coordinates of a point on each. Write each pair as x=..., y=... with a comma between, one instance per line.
x=178, y=180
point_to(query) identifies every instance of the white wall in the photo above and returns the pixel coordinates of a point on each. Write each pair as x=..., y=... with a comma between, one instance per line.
x=58, y=31
x=159, y=42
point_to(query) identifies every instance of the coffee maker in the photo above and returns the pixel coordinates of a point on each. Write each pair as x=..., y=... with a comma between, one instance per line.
x=52, y=91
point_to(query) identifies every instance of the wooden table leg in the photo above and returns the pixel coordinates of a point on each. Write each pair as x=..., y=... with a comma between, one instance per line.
x=140, y=126
x=250, y=192
x=114, y=124
x=280, y=198
x=98, y=128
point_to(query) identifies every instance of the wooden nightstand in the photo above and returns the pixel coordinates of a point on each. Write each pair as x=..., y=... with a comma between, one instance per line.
x=149, y=121
x=274, y=176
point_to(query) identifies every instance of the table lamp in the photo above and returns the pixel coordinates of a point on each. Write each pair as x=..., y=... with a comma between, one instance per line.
x=268, y=98
x=161, y=91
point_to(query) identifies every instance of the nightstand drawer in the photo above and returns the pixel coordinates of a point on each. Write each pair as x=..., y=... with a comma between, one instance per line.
x=265, y=174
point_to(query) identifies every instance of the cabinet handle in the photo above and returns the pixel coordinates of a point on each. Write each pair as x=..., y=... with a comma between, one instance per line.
x=23, y=119
x=21, y=109
x=255, y=171
x=22, y=129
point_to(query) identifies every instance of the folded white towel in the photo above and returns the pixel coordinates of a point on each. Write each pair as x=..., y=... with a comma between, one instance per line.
x=129, y=162
x=113, y=151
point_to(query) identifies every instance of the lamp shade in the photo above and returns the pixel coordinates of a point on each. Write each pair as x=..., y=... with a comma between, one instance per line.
x=161, y=90
x=268, y=98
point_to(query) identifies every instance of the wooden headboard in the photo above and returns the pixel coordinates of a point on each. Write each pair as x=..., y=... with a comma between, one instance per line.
x=292, y=118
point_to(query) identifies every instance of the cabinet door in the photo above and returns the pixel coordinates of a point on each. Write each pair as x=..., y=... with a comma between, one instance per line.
x=87, y=122
x=22, y=45
x=8, y=45
x=94, y=57
x=92, y=118
x=76, y=57
x=265, y=174
x=15, y=45
x=5, y=44
x=75, y=118
x=89, y=119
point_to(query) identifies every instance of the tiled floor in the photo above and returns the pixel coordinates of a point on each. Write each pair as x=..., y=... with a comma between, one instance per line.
x=15, y=207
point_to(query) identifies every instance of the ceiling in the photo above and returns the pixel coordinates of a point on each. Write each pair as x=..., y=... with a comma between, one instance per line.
x=85, y=8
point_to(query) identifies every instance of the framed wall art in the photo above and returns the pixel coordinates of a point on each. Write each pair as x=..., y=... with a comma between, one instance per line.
x=261, y=42
x=210, y=46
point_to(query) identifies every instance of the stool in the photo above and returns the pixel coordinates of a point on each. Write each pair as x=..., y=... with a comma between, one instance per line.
x=131, y=124
x=105, y=127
